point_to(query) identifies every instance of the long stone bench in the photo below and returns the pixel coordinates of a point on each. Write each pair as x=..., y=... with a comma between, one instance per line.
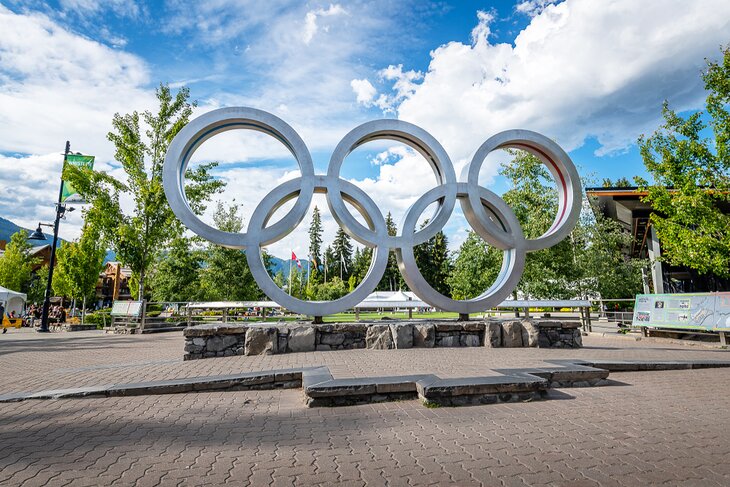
x=229, y=339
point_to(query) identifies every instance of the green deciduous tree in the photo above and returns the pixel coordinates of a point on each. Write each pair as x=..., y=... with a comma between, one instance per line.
x=16, y=264
x=534, y=199
x=475, y=268
x=590, y=262
x=176, y=274
x=691, y=175
x=138, y=236
x=78, y=266
x=227, y=276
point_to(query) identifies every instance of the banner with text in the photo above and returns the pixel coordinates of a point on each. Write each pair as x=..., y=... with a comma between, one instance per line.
x=68, y=193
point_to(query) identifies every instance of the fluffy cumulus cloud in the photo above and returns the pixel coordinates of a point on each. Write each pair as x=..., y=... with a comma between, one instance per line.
x=294, y=59
x=580, y=69
x=56, y=85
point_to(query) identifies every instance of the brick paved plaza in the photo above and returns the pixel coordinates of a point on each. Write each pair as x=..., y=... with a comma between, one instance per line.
x=648, y=428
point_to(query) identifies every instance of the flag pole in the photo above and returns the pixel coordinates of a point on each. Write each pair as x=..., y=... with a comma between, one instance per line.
x=290, y=261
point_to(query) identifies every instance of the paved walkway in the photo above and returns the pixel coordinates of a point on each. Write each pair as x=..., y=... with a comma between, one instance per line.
x=657, y=427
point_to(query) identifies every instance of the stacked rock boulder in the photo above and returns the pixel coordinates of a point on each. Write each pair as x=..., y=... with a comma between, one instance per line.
x=228, y=339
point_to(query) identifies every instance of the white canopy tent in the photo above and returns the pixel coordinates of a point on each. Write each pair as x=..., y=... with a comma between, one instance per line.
x=13, y=301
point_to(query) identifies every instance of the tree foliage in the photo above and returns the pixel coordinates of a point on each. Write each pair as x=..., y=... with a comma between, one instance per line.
x=138, y=236
x=176, y=274
x=227, y=276
x=691, y=174
x=434, y=261
x=16, y=264
x=78, y=265
x=315, y=244
x=590, y=262
x=342, y=253
x=392, y=279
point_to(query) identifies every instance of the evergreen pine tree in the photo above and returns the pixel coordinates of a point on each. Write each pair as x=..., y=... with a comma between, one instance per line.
x=342, y=250
x=315, y=245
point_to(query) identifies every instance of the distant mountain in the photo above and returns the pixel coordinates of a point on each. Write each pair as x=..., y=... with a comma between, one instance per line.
x=8, y=228
x=282, y=265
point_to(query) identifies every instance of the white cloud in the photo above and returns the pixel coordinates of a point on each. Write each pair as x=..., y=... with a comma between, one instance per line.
x=121, y=8
x=533, y=7
x=266, y=42
x=580, y=69
x=310, y=20
x=364, y=91
x=57, y=86
x=403, y=86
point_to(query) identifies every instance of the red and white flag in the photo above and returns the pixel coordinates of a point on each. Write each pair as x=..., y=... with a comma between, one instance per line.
x=294, y=257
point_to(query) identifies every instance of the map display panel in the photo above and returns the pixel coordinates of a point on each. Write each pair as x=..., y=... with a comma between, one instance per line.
x=702, y=311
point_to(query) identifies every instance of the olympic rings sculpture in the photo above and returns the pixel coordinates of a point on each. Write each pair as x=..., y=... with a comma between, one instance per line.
x=487, y=213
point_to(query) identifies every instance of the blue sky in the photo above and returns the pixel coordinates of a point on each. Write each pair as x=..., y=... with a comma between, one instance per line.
x=590, y=74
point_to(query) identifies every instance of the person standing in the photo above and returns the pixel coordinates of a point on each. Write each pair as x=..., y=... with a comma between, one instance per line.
x=2, y=318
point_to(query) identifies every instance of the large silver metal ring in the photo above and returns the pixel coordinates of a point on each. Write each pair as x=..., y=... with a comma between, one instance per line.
x=422, y=142
x=558, y=163
x=202, y=128
x=513, y=260
x=280, y=196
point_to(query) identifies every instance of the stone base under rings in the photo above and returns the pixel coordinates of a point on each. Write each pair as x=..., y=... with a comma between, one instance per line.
x=229, y=339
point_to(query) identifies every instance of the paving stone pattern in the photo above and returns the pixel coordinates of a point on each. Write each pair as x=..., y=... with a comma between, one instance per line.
x=32, y=362
x=605, y=436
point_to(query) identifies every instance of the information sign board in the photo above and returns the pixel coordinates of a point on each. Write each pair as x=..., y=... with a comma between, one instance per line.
x=700, y=311
x=126, y=308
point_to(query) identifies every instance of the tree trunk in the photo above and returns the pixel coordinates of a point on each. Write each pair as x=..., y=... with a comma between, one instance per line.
x=140, y=289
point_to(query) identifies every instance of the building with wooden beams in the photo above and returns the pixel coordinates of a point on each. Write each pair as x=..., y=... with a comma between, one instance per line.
x=625, y=206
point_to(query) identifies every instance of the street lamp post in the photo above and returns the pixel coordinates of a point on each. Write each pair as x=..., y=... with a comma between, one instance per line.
x=38, y=235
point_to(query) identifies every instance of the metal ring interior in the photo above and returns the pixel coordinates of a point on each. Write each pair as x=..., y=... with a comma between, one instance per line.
x=418, y=139
x=513, y=263
x=558, y=163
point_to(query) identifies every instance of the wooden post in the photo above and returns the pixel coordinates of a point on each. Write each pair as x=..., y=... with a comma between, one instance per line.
x=588, y=317
x=357, y=314
x=582, y=318
x=723, y=339
x=189, y=311
x=410, y=313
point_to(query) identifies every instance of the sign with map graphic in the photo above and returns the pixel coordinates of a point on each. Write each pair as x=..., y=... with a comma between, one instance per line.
x=698, y=311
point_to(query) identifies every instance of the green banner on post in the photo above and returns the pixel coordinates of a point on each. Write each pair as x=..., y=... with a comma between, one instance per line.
x=69, y=193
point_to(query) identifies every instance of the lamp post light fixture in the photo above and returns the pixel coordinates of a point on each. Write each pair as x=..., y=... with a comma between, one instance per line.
x=61, y=210
x=39, y=235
